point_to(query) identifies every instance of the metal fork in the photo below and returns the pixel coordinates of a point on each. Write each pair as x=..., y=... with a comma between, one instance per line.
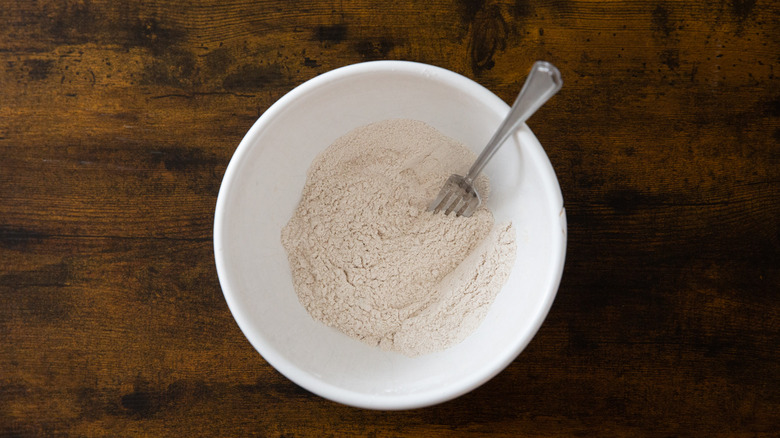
x=459, y=195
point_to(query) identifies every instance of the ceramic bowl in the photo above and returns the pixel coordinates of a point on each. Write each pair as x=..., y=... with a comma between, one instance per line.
x=262, y=186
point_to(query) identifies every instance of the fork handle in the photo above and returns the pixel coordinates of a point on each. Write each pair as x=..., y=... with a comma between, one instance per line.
x=542, y=83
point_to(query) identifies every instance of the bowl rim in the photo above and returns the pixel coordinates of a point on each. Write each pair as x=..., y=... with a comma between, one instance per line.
x=289, y=369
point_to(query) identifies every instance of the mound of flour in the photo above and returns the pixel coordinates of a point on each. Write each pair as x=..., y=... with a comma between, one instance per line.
x=369, y=260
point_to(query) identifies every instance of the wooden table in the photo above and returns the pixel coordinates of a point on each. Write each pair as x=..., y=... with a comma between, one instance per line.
x=117, y=120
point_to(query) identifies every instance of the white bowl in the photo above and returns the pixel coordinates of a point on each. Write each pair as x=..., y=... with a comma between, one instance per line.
x=262, y=186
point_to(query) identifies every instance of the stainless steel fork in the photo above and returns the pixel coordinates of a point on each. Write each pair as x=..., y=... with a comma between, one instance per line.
x=459, y=195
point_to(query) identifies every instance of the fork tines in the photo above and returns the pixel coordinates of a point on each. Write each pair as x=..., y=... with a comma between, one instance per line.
x=457, y=196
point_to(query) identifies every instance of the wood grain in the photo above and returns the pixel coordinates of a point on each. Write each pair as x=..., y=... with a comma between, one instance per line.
x=117, y=120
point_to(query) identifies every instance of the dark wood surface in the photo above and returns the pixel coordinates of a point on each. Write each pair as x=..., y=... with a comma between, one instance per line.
x=117, y=120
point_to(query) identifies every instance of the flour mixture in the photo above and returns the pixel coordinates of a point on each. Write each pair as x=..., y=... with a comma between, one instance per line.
x=369, y=260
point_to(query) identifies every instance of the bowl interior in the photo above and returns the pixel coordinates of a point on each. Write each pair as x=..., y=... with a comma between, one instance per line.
x=262, y=187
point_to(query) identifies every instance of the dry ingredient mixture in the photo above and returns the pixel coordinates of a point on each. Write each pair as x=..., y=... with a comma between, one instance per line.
x=369, y=260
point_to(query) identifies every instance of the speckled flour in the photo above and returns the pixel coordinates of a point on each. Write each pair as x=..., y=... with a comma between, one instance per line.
x=369, y=260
